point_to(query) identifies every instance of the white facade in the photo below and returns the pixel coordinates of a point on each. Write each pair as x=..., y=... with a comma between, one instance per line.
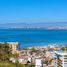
x=20, y=60
x=62, y=57
x=30, y=59
x=13, y=60
x=38, y=62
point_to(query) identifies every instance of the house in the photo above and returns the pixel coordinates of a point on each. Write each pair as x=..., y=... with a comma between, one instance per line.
x=13, y=60
x=24, y=59
x=14, y=47
x=24, y=52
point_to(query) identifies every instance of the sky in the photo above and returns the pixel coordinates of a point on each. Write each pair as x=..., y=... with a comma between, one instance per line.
x=15, y=11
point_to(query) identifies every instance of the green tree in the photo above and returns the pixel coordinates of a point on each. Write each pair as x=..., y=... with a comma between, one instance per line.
x=5, y=52
x=33, y=50
x=47, y=62
x=64, y=48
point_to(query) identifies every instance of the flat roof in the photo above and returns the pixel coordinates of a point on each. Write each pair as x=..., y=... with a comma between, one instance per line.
x=61, y=53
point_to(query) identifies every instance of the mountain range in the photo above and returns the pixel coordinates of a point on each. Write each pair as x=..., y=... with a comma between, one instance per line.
x=49, y=25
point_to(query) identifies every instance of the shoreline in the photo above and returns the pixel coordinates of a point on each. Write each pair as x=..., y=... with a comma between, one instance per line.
x=42, y=45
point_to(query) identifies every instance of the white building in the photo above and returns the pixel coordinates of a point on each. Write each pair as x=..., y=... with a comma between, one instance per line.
x=24, y=60
x=38, y=62
x=13, y=60
x=60, y=59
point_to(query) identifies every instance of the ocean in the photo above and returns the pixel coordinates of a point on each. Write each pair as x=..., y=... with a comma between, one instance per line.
x=33, y=37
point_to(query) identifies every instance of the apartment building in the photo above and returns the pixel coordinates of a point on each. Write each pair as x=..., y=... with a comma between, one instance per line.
x=60, y=59
x=38, y=62
x=14, y=47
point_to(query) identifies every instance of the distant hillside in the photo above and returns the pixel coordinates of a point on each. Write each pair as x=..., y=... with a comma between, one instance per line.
x=60, y=25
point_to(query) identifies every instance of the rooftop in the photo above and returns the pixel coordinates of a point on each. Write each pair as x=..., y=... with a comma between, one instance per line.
x=61, y=53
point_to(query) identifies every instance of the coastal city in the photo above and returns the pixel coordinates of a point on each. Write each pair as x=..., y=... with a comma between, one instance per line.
x=33, y=33
x=36, y=56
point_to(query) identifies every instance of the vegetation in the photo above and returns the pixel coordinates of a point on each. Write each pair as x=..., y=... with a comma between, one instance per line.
x=25, y=48
x=34, y=50
x=47, y=62
x=5, y=52
x=9, y=64
x=59, y=63
x=64, y=48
